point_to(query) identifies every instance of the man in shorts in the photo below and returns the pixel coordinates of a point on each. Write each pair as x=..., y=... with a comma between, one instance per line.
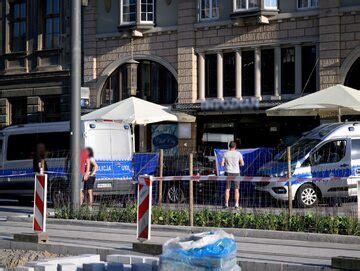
x=232, y=161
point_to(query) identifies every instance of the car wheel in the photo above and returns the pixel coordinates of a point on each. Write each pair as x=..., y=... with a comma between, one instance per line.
x=175, y=194
x=307, y=196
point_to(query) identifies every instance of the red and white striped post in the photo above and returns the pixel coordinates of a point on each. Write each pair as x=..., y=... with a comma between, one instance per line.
x=40, y=193
x=144, y=208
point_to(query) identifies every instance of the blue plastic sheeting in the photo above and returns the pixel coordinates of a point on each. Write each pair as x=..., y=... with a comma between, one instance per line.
x=254, y=159
x=145, y=164
x=216, y=253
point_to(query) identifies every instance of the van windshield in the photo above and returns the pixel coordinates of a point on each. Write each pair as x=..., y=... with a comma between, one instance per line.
x=300, y=149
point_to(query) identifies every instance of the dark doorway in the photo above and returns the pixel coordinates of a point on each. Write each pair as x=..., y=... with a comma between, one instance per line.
x=352, y=78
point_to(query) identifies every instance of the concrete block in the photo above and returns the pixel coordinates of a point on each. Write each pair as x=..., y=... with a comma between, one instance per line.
x=67, y=267
x=141, y=267
x=94, y=266
x=78, y=260
x=148, y=248
x=137, y=259
x=24, y=268
x=116, y=258
x=155, y=266
x=348, y=263
x=151, y=260
x=38, y=237
x=45, y=267
x=90, y=258
x=115, y=267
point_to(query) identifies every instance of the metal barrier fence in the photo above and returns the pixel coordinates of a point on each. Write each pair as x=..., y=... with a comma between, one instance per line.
x=189, y=181
x=187, y=184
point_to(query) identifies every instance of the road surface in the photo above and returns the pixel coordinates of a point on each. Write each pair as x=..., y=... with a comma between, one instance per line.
x=249, y=248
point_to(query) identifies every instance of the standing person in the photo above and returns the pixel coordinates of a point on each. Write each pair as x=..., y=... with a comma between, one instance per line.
x=39, y=162
x=232, y=161
x=84, y=167
x=89, y=177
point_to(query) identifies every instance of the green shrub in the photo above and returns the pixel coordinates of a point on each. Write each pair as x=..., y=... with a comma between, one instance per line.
x=308, y=222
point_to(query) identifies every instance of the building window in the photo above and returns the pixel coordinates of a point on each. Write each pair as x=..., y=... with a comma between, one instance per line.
x=18, y=110
x=51, y=34
x=267, y=72
x=154, y=83
x=288, y=70
x=209, y=9
x=303, y=4
x=245, y=4
x=52, y=108
x=308, y=66
x=270, y=4
x=147, y=11
x=128, y=11
x=248, y=73
x=17, y=25
x=211, y=76
x=229, y=74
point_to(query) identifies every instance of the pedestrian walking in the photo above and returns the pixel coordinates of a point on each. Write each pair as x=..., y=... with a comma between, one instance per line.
x=89, y=176
x=232, y=161
x=39, y=162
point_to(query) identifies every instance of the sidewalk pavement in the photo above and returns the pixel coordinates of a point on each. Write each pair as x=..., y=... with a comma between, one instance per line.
x=285, y=248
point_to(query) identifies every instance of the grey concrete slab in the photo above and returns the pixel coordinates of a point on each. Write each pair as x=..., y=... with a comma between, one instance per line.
x=79, y=238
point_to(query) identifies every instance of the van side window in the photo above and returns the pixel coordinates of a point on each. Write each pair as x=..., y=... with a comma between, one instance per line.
x=330, y=152
x=355, y=149
x=23, y=146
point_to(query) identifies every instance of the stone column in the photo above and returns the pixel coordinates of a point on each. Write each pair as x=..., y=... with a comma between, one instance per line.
x=298, y=70
x=277, y=72
x=5, y=112
x=201, y=78
x=220, y=81
x=187, y=58
x=238, y=74
x=257, y=72
x=330, y=42
x=34, y=105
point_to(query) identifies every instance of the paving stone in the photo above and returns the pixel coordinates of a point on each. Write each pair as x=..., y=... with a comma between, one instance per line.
x=116, y=258
x=94, y=266
x=141, y=267
x=24, y=268
x=115, y=267
x=78, y=260
x=135, y=259
x=67, y=267
x=45, y=267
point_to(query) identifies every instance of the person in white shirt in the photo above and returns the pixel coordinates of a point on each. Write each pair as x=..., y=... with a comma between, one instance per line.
x=232, y=161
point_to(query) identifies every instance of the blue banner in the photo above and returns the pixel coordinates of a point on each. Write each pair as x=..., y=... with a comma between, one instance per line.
x=253, y=160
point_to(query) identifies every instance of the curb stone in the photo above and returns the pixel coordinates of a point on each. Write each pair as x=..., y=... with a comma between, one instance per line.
x=266, y=234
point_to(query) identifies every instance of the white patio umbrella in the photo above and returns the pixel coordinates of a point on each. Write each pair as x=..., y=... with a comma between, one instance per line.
x=136, y=111
x=337, y=100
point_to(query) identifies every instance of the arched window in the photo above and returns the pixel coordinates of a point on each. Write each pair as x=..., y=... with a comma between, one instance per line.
x=352, y=77
x=154, y=83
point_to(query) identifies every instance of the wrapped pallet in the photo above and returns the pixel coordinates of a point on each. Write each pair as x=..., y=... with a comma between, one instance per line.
x=214, y=250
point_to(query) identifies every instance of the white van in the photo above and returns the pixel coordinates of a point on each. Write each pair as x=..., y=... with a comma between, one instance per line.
x=329, y=151
x=111, y=142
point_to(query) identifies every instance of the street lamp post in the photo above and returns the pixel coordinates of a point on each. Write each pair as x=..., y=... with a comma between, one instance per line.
x=75, y=101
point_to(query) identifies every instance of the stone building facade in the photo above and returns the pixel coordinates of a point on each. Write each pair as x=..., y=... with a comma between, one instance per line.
x=34, y=61
x=272, y=50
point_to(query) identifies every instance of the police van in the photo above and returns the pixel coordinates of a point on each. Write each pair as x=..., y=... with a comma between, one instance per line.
x=111, y=142
x=328, y=156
